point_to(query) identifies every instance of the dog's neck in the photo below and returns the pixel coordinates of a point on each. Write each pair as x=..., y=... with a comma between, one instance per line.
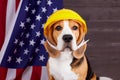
x=66, y=64
x=60, y=66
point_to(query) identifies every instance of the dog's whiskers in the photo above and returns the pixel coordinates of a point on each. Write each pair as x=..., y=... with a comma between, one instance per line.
x=52, y=45
x=82, y=43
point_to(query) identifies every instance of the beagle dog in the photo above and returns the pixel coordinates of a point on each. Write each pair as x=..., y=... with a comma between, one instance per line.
x=66, y=47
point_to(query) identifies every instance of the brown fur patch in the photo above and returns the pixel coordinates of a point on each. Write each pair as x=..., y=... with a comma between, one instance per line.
x=52, y=52
x=94, y=77
x=80, y=32
x=80, y=52
x=81, y=70
x=49, y=35
x=56, y=32
x=77, y=62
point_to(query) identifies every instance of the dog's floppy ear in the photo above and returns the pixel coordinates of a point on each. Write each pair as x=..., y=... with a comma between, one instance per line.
x=52, y=52
x=80, y=52
x=49, y=35
x=81, y=34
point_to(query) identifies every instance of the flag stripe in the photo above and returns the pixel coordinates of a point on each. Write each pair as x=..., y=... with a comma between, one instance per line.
x=11, y=74
x=27, y=73
x=37, y=70
x=3, y=5
x=3, y=8
x=10, y=14
x=44, y=74
x=3, y=73
x=19, y=73
x=17, y=4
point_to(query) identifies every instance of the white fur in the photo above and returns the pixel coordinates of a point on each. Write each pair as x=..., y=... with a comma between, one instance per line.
x=60, y=67
x=105, y=78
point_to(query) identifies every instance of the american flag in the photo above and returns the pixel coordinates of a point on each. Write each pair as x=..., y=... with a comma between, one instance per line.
x=23, y=56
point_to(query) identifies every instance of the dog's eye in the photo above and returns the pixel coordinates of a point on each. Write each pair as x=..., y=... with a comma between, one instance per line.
x=58, y=28
x=74, y=28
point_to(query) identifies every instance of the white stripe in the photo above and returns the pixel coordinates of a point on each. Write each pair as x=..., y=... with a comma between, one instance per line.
x=10, y=13
x=27, y=73
x=81, y=44
x=9, y=34
x=52, y=45
x=44, y=74
x=11, y=74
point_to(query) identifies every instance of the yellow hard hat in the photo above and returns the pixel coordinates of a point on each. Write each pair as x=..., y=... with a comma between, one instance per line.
x=65, y=14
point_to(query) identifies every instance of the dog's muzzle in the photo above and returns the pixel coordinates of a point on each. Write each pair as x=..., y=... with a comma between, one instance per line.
x=68, y=40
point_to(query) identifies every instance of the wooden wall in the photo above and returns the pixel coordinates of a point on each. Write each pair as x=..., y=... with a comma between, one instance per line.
x=103, y=20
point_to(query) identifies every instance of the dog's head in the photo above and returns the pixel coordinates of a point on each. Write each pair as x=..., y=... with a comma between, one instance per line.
x=65, y=33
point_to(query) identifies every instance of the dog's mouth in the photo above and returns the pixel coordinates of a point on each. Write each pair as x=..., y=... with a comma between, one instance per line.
x=67, y=46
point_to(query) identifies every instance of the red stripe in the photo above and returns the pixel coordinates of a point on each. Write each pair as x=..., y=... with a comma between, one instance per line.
x=36, y=73
x=17, y=4
x=3, y=7
x=19, y=73
x=3, y=73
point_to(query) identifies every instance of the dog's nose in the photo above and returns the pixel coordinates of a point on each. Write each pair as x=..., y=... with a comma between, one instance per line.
x=67, y=38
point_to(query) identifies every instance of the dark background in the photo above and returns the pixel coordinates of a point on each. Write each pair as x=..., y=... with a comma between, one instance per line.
x=103, y=20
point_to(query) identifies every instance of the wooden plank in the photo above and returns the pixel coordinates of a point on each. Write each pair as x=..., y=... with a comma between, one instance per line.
x=98, y=13
x=95, y=3
x=91, y=1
